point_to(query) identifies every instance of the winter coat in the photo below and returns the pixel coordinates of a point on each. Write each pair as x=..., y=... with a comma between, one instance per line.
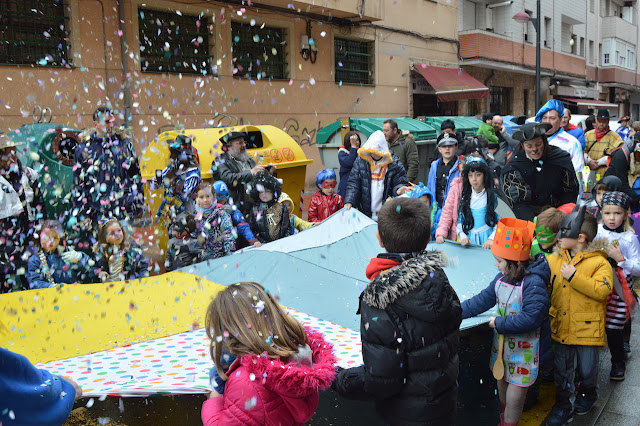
x=322, y=206
x=412, y=378
x=596, y=150
x=270, y=223
x=215, y=234
x=449, y=217
x=182, y=252
x=407, y=151
x=431, y=181
x=179, y=191
x=578, y=306
x=488, y=132
x=243, y=232
x=529, y=185
x=359, y=185
x=110, y=165
x=32, y=396
x=265, y=391
x=346, y=160
x=229, y=170
x=620, y=166
x=61, y=272
x=135, y=264
x=299, y=225
x=535, y=305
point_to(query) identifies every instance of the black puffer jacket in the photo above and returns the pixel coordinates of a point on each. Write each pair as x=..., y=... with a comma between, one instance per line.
x=410, y=337
x=359, y=185
x=529, y=185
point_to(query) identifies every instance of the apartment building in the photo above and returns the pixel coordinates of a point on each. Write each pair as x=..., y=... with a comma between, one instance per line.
x=588, y=54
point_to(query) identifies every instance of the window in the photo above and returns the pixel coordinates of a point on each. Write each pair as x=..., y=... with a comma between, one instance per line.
x=260, y=51
x=582, y=46
x=591, y=6
x=174, y=43
x=34, y=32
x=606, y=58
x=548, y=32
x=353, y=61
x=591, y=52
x=528, y=30
x=500, y=102
x=472, y=107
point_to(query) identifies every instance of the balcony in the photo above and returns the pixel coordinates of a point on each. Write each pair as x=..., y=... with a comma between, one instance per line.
x=344, y=9
x=615, y=27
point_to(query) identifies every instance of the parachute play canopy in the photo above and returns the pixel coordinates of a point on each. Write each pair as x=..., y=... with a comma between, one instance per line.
x=145, y=337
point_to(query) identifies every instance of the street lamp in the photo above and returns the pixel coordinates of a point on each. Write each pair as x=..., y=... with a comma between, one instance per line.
x=523, y=18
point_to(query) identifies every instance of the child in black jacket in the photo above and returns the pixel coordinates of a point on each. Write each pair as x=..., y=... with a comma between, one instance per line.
x=410, y=320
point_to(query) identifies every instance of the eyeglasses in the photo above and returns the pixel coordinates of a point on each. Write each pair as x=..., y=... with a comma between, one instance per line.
x=328, y=185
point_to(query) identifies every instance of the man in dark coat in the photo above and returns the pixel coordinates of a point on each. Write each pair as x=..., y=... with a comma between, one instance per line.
x=625, y=165
x=410, y=320
x=538, y=175
x=377, y=174
x=236, y=168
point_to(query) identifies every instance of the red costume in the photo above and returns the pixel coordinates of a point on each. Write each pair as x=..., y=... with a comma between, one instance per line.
x=322, y=206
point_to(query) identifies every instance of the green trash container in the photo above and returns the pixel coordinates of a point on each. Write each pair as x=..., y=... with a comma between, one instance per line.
x=469, y=125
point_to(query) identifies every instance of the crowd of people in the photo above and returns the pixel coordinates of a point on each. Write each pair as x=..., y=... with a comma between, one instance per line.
x=566, y=261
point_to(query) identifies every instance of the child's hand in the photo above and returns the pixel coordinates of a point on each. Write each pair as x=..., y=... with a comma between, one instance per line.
x=439, y=239
x=214, y=394
x=76, y=387
x=567, y=271
x=257, y=244
x=615, y=253
x=464, y=241
x=402, y=190
x=492, y=322
x=71, y=256
x=487, y=244
x=348, y=206
x=103, y=276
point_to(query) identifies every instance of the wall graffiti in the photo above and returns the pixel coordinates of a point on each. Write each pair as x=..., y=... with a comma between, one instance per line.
x=303, y=135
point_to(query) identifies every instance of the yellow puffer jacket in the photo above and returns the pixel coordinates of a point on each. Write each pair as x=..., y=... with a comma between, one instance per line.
x=578, y=307
x=597, y=149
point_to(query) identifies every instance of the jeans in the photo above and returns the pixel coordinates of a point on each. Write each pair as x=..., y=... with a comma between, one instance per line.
x=566, y=359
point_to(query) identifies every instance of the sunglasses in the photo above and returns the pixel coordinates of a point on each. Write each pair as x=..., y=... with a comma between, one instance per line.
x=328, y=185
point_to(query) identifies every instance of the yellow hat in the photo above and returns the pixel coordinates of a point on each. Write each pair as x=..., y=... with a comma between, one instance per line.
x=513, y=239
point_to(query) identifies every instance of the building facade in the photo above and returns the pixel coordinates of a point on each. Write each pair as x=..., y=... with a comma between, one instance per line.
x=190, y=64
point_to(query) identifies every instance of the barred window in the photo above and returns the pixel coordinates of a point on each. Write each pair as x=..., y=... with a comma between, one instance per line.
x=259, y=51
x=174, y=43
x=34, y=32
x=353, y=61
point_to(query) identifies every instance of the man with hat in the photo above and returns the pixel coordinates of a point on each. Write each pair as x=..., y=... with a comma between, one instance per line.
x=600, y=143
x=106, y=174
x=21, y=206
x=236, y=168
x=538, y=175
x=551, y=113
x=624, y=129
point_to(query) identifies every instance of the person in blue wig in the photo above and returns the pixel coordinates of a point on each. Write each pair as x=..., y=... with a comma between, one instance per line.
x=421, y=192
x=552, y=113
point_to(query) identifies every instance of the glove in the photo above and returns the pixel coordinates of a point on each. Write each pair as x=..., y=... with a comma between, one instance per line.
x=71, y=256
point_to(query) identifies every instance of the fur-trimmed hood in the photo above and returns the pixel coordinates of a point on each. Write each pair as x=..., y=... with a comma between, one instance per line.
x=597, y=247
x=292, y=380
x=395, y=283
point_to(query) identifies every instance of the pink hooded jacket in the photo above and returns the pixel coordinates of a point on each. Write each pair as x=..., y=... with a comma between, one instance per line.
x=266, y=391
x=449, y=216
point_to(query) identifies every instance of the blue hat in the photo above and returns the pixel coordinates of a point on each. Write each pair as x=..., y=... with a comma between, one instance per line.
x=323, y=175
x=551, y=105
x=419, y=190
x=221, y=189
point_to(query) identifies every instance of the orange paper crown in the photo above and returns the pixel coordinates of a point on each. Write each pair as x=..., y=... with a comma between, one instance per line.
x=513, y=239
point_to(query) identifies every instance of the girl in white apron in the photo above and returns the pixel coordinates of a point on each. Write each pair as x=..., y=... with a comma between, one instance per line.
x=520, y=291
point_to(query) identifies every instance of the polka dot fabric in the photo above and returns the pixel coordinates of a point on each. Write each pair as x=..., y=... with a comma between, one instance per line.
x=177, y=364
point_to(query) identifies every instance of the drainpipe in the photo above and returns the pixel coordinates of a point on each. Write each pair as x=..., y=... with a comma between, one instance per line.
x=125, y=66
x=487, y=101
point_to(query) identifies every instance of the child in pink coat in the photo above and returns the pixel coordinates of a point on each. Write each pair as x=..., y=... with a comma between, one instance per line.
x=280, y=366
x=449, y=217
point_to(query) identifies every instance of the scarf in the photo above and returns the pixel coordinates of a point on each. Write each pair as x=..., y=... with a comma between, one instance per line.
x=204, y=212
x=600, y=133
x=385, y=261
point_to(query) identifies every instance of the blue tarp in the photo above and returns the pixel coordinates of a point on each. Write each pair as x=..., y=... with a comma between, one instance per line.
x=321, y=271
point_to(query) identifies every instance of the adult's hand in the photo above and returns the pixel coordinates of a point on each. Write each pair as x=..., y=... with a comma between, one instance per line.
x=348, y=206
x=593, y=165
x=439, y=239
x=257, y=169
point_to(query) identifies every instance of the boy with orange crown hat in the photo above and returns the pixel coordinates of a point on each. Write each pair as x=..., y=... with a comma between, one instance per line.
x=521, y=338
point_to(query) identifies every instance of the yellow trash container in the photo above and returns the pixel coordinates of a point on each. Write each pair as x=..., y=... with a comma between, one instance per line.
x=267, y=144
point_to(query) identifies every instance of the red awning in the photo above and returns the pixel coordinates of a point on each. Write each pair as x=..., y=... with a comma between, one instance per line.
x=452, y=84
x=589, y=103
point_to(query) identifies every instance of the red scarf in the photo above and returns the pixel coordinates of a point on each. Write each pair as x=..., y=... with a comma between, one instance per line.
x=600, y=133
x=378, y=265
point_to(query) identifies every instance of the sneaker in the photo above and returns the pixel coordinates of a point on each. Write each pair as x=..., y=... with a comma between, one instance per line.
x=617, y=371
x=627, y=350
x=582, y=405
x=558, y=417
